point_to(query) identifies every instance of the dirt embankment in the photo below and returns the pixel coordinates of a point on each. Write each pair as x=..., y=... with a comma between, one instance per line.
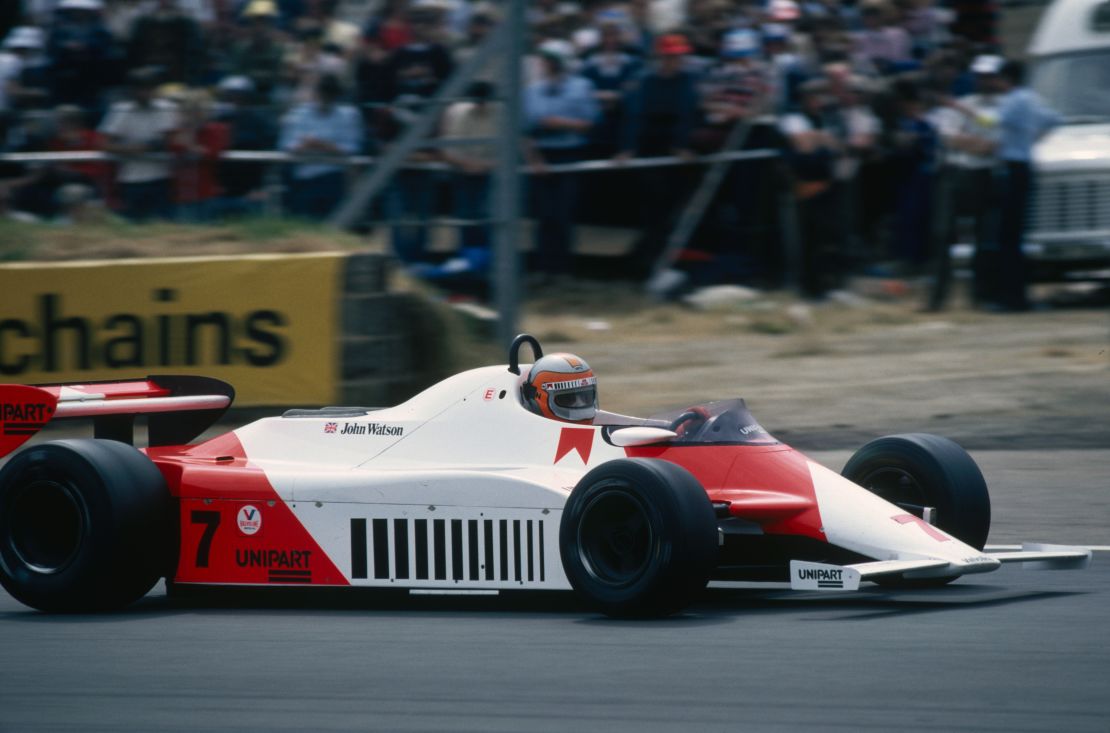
x=837, y=374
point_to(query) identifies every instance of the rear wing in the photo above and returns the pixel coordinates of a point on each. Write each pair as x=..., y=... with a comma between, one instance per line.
x=179, y=408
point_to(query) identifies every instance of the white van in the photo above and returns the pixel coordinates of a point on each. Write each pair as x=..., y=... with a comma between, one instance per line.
x=1069, y=59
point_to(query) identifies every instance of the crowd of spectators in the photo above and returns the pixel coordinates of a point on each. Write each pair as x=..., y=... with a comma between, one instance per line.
x=859, y=95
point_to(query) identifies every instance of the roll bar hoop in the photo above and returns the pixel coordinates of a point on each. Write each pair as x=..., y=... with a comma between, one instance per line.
x=514, y=351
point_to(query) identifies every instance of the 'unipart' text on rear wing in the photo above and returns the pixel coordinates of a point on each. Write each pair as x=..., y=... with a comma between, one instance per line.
x=179, y=408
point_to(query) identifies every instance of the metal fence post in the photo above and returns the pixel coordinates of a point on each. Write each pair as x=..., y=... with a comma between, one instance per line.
x=791, y=237
x=506, y=270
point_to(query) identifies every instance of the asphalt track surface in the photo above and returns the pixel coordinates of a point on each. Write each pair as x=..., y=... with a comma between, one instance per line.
x=1012, y=650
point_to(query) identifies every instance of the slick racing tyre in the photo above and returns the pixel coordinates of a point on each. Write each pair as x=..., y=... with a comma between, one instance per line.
x=638, y=537
x=918, y=470
x=84, y=525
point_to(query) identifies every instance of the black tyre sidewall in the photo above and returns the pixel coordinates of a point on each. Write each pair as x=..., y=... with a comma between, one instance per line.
x=125, y=519
x=948, y=477
x=684, y=537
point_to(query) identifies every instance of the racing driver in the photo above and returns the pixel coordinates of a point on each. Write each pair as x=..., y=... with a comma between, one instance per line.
x=562, y=387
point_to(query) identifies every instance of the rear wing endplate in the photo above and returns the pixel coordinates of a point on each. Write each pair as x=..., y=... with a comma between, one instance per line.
x=178, y=408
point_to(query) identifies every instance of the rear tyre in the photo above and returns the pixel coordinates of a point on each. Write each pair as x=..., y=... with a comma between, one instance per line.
x=918, y=469
x=638, y=538
x=83, y=525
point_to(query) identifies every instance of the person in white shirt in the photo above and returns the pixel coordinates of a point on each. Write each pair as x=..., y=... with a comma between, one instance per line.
x=478, y=117
x=325, y=128
x=136, y=129
x=969, y=132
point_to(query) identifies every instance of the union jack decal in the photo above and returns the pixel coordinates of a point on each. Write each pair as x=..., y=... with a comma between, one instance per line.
x=331, y=427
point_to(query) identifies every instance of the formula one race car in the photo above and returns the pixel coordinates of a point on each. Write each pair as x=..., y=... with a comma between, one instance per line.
x=464, y=489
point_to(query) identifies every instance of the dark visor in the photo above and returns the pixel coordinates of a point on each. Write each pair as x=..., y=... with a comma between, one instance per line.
x=577, y=399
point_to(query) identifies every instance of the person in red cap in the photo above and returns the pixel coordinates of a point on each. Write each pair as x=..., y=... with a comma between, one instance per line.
x=662, y=110
x=672, y=45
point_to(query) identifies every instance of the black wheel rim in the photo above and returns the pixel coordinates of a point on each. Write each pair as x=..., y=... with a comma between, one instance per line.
x=897, y=486
x=615, y=537
x=45, y=526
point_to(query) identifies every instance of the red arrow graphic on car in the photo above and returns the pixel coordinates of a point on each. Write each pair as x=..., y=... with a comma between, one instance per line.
x=579, y=439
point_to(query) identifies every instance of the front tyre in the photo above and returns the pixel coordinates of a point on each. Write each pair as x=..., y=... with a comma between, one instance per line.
x=638, y=537
x=919, y=470
x=83, y=525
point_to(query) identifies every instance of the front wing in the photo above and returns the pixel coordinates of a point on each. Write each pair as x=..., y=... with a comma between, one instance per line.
x=812, y=576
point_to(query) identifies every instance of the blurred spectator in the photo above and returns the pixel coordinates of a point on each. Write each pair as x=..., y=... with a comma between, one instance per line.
x=260, y=53
x=78, y=204
x=390, y=28
x=84, y=59
x=612, y=73
x=969, y=131
x=914, y=157
x=479, y=117
x=72, y=133
x=737, y=86
x=977, y=21
x=335, y=31
x=645, y=19
x=35, y=192
x=661, y=111
x=783, y=11
x=927, y=25
x=483, y=19
x=662, y=106
x=858, y=131
x=1023, y=119
x=201, y=11
x=323, y=128
x=787, y=68
x=606, y=196
x=882, y=45
x=558, y=20
x=541, y=13
x=167, y=38
x=735, y=90
x=372, y=84
x=119, y=17
x=813, y=149
x=134, y=129
x=414, y=73
x=943, y=74
x=417, y=68
x=559, y=111
x=707, y=22
x=250, y=128
x=310, y=61
x=11, y=13
x=197, y=144
x=21, y=50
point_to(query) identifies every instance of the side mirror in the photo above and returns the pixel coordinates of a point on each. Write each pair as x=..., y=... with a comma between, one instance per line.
x=628, y=437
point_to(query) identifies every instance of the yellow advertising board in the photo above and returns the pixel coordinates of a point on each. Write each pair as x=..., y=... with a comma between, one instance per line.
x=268, y=324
